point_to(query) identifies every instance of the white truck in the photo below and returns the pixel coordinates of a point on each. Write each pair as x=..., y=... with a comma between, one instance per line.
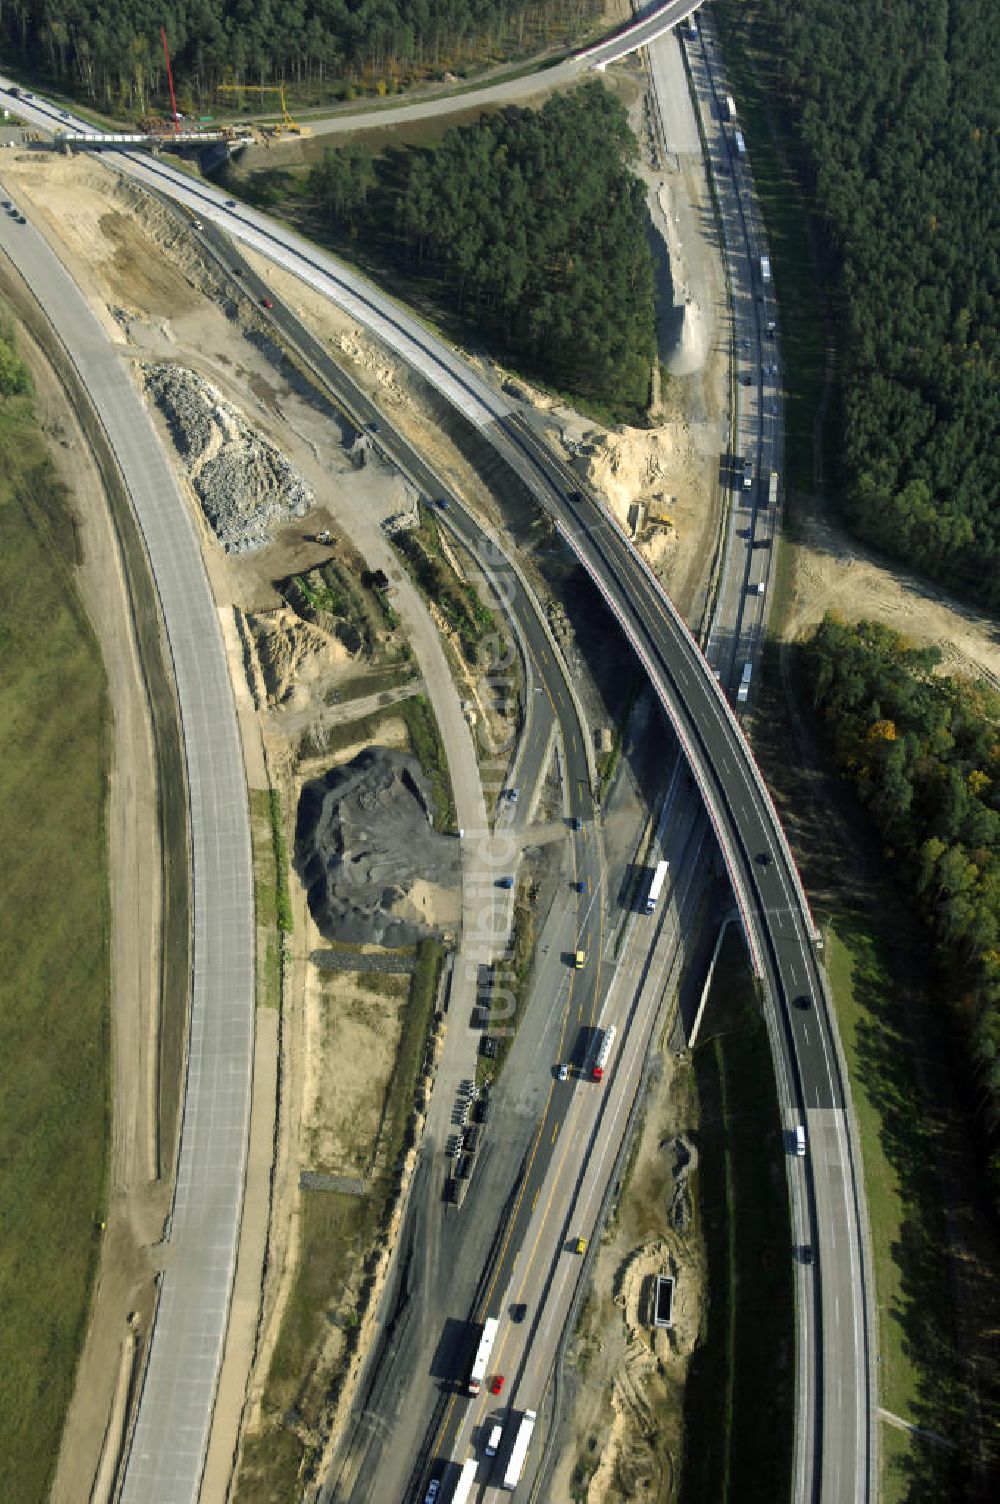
x=765, y=269
x=743, y=693
x=483, y=1351
x=730, y=108
x=656, y=886
x=463, y=1488
x=739, y=143
x=519, y=1451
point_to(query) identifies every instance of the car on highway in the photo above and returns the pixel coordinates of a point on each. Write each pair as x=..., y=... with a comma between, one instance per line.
x=230, y=203
x=747, y=380
x=493, y=1441
x=575, y=823
x=441, y=502
x=799, y=1139
x=6, y=204
x=496, y=1383
x=266, y=303
x=505, y=882
x=580, y=886
x=807, y=1254
x=20, y=219
x=763, y=859
x=512, y=795
x=579, y=960
x=580, y=1245
x=802, y=1001
x=562, y=1073
x=433, y=1489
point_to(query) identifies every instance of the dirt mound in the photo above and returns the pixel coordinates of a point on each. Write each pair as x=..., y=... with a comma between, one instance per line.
x=294, y=656
x=244, y=483
x=363, y=840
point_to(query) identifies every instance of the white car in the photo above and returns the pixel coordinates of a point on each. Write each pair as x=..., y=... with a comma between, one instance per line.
x=493, y=1445
x=562, y=1074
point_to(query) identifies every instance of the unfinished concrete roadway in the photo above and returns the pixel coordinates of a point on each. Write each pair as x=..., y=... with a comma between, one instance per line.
x=168, y=1444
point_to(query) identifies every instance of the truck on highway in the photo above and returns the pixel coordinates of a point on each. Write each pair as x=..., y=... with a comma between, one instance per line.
x=765, y=269
x=480, y=1362
x=730, y=107
x=772, y=489
x=519, y=1451
x=739, y=143
x=743, y=693
x=747, y=474
x=604, y=1048
x=656, y=886
x=463, y=1488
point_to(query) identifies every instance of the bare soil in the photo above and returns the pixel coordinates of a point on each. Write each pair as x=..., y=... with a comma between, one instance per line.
x=622, y=1433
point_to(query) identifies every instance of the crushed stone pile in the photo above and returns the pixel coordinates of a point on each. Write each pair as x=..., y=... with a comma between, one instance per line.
x=245, y=485
x=363, y=837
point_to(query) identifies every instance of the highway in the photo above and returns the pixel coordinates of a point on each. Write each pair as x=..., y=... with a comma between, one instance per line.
x=836, y=1344
x=199, y=1254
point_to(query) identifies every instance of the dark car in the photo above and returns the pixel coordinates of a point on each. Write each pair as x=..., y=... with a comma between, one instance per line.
x=505, y=882
x=518, y=1311
x=763, y=859
x=266, y=303
x=441, y=502
x=230, y=203
x=803, y=1000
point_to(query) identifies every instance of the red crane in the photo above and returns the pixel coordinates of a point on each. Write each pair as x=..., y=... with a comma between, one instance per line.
x=170, y=81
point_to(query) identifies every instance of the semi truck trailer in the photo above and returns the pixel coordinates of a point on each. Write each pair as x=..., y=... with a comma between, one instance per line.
x=519, y=1451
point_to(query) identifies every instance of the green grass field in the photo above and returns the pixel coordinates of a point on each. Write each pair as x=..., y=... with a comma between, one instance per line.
x=54, y=927
x=917, y=1374
x=738, y=1404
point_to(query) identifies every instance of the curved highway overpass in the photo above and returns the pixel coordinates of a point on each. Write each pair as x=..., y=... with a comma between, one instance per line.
x=836, y=1408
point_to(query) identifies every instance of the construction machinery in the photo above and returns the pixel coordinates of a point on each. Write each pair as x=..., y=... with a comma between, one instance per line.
x=287, y=123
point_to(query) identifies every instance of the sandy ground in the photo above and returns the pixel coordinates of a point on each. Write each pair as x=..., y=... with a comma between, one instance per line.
x=621, y=1437
x=834, y=572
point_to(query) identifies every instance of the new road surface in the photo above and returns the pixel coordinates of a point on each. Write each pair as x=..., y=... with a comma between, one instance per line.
x=178, y=1387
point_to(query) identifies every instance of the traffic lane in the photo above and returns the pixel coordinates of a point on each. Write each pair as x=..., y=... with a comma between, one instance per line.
x=837, y=1270
x=779, y=918
x=641, y=978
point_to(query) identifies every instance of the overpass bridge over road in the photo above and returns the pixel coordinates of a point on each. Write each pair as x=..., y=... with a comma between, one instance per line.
x=835, y=1342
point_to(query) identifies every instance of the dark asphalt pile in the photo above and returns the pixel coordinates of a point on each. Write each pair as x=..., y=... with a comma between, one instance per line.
x=362, y=838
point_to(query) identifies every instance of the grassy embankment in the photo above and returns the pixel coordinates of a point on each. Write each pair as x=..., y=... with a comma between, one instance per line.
x=272, y=899
x=738, y=1403
x=54, y=962
x=338, y=1233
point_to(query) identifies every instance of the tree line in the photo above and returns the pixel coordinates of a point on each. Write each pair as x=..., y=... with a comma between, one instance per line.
x=922, y=752
x=897, y=110
x=111, y=53
x=529, y=228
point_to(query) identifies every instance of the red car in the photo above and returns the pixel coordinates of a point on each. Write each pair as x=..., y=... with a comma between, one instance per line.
x=496, y=1383
x=267, y=302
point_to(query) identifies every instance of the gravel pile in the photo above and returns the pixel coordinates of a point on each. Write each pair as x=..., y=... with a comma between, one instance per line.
x=245, y=485
x=363, y=837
